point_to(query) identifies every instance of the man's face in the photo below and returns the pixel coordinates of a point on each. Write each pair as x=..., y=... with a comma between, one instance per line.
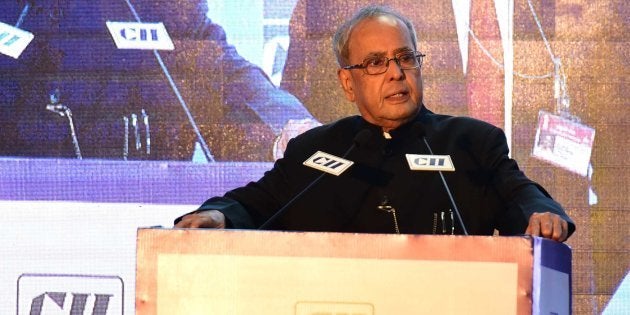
x=389, y=99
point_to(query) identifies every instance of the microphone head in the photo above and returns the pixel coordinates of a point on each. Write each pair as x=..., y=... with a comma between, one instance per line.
x=59, y=109
x=418, y=129
x=362, y=137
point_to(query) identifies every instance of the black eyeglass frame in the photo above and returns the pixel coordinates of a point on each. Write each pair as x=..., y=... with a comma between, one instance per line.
x=418, y=55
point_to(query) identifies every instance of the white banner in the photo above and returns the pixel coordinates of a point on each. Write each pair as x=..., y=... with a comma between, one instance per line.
x=64, y=257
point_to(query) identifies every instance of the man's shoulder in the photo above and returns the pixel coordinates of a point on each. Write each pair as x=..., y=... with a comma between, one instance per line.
x=442, y=121
x=344, y=126
x=332, y=137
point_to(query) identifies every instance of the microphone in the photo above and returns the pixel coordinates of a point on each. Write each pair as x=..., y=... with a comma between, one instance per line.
x=64, y=111
x=360, y=139
x=418, y=129
x=60, y=109
x=147, y=131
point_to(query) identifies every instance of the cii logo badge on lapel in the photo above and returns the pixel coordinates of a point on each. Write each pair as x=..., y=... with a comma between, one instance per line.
x=328, y=163
x=41, y=294
x=133, y=35
x=420, y=162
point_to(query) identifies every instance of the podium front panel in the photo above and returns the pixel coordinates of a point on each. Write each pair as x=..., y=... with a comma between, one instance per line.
x=263, y=272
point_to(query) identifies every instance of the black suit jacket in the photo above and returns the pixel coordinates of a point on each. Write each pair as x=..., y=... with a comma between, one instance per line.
x=488, y=187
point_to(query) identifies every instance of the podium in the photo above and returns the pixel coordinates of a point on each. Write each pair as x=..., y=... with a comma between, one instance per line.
x=197, y=271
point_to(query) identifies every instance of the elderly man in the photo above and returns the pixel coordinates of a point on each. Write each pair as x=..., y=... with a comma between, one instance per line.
x=380, y=71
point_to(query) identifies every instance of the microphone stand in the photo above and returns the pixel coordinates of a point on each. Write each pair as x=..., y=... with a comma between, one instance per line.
x=359, y=139
x=448, y=191
x=63, y=110
x=25, y=10
x=419, y=130
x=126, y=138
x=180, y=98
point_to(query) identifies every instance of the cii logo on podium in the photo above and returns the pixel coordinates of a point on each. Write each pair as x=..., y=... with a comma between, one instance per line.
x=40, y=294
x=133, y=35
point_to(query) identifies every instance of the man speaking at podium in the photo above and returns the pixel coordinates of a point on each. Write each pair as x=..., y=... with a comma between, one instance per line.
x=396, y=168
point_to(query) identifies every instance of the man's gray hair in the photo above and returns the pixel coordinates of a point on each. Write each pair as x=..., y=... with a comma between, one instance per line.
x=342, y=35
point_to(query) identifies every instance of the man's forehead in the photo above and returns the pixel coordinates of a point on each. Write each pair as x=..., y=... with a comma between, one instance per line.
x=374, y=24
x=396, y=51
x=388, y=19
x=381, y=20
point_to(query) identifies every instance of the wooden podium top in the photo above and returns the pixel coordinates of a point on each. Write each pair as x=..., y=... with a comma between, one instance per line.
x=183, y=271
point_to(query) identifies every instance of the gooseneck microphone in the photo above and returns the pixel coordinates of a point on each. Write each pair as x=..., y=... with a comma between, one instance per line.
x=64, y=111
x=360, y=139
x=418, y=129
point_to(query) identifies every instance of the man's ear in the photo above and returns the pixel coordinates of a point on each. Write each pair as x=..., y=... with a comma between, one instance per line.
x=345, y=79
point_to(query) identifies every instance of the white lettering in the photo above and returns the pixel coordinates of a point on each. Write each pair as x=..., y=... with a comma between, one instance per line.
x=133, y=35
x=328, y=163
x=419, y=162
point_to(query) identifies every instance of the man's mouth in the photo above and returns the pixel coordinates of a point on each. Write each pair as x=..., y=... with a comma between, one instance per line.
x=398, y=95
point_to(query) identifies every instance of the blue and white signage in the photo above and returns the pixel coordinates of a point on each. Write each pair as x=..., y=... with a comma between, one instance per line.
x=421, y=162
x=328, y=163
x=40, y=294
x=134, y=35
x=13, y=40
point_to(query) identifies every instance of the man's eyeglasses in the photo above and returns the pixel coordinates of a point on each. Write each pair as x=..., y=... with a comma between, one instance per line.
x=377, y=65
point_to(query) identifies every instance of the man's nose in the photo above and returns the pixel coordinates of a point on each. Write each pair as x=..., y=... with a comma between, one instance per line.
x=394, y=70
